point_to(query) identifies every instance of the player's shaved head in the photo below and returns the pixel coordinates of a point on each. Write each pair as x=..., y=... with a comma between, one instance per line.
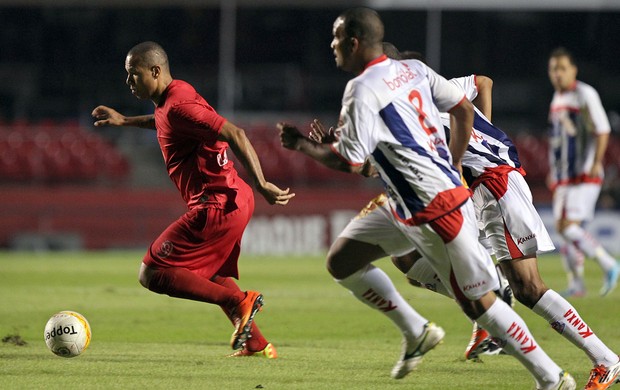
x=149, y=54
x=148, y=72
x=364, y=24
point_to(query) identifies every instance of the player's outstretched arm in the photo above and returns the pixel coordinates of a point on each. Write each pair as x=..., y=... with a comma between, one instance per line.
x=461, y=122
x=106, y=116
x=291, y=138
x=243, y=149
x=484, y=100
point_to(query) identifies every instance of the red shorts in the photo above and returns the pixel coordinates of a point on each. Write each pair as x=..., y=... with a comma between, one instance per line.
x=205, y=240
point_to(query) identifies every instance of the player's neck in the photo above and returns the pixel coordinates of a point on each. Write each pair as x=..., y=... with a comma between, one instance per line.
x=161, y=88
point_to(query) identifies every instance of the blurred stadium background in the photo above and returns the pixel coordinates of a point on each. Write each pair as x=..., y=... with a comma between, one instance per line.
x=66, y=185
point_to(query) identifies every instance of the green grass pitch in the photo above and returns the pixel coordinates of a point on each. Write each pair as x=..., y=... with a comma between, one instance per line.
x=326, y=338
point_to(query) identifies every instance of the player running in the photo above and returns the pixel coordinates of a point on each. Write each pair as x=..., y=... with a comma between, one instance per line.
x=390, y=114
x=196, y=256
x=504, y=205
x=577, y=142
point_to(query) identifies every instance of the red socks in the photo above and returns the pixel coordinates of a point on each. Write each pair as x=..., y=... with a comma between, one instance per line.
x=224, y=292
x=182, y=283
x=256, y=342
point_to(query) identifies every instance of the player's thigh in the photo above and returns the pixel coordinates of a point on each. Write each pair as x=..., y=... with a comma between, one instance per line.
x=376, y=225
x=511, y=221
x=347, y=256
x=451, y=246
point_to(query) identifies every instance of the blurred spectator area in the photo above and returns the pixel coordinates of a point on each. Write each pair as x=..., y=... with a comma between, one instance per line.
x=65, y=185
x=54, y=153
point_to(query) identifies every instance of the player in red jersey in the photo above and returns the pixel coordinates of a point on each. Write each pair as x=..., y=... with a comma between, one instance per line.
x=196, y=256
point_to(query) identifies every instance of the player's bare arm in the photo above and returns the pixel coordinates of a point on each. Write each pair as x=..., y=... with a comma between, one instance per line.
x=292, y=138
x=601, y=146
x=243, y=149
x=484, y=100
x=106, y=116
x=461, y=123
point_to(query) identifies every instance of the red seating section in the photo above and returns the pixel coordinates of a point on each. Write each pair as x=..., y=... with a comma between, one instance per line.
x=289, y=167
x=57, y=153
x=50, y=153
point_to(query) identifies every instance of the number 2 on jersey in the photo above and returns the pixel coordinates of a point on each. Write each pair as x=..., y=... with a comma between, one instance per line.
x=415, y=98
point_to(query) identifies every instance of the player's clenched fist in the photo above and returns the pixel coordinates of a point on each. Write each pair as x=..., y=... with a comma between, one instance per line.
x=106, y=116
x=289, y=135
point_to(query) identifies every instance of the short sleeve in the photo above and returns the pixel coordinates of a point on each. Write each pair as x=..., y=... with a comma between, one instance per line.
x=445, y=94
x=355, y=128
x=597, y=112
x=467, y=85
x=196, y=120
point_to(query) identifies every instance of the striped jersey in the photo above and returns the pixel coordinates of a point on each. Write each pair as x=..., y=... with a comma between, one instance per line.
x=576, y=116
x=489, y=147
x=390, y=113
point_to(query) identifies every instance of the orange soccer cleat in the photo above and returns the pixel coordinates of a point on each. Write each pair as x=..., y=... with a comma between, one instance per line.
x=243, y=316
x=269, y=352
x=602, y=377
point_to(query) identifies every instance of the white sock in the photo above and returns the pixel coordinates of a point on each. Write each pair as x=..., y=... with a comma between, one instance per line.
x=425, y=274
x=589, y=245
x=506, y=327
x=373, y=287
x=565, y=319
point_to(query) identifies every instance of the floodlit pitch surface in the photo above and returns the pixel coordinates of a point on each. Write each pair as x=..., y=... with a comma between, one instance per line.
x=326, y=338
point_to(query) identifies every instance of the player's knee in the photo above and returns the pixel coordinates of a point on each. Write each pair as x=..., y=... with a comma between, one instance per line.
x=562, y=224
x=471, y=308
x=405, y=263
x=145, y=276
x=143, y=279
x=337, y=265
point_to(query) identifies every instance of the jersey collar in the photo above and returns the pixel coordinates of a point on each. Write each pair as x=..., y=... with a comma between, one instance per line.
x=381, y=58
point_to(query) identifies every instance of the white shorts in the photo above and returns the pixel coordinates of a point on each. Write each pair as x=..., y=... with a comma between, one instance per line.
x=510, y=221
x=375, y=225
x=450, y=244
x=575, y=202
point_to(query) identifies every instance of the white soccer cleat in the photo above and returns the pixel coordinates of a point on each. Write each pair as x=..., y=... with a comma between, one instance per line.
x=414, y=352
x=566, y=382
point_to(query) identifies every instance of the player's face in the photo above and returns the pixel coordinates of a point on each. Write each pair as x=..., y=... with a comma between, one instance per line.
x=562, y=73
x=341, y=45
x=140, y=78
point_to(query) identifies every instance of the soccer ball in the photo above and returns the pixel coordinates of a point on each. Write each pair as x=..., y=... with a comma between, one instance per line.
x=67, y=334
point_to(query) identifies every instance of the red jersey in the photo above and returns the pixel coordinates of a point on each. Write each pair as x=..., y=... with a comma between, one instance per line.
x=187, y=130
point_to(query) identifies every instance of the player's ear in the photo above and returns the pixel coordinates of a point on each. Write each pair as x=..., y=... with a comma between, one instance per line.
x=155, y=71
x=354, y=42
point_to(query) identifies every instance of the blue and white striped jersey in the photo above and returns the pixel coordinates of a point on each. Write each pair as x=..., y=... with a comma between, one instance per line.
x=577, y=117
x=390, y=113
x=489, y=147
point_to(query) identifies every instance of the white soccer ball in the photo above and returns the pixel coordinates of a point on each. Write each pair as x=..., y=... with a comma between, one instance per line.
x=67, y=334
